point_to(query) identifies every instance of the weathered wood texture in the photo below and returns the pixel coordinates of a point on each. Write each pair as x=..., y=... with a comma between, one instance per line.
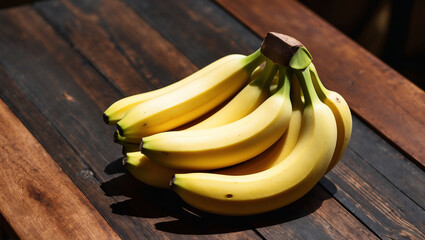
x=63, y=62
x=61, y=84
x=66, y=18
x=37, y=194
x=394, y=106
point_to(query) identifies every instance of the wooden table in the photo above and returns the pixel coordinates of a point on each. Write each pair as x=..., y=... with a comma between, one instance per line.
x=62, y=63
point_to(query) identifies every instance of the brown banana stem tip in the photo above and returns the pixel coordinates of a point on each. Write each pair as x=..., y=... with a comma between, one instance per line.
x=124, y=160
x=279, y=47
x=172, y=181
x=141, y=145
x=105, y=118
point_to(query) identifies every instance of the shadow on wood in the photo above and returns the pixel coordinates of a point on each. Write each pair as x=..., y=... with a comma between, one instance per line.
x=144, y=201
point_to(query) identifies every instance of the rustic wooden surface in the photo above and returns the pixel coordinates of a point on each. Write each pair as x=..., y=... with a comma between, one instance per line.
x=62, y=63
x=37, y=194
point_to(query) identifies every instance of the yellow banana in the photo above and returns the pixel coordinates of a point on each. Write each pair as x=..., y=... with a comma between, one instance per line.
x=281, y=149
x=118, y=109
x=121, y=140
x=225, y=145
x=246, y=101
x=153, y=174
x=342, y=114
x=277, y=186
x=190, y=101
x=147, y=171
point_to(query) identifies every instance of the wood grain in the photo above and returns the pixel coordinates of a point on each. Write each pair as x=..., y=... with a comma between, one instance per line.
x=66, y=157
x=52, y=70
x=48, y=68
x=118, y=43
x=390, y=103
x=376, y=201
x=388, y=162
x=37, y=194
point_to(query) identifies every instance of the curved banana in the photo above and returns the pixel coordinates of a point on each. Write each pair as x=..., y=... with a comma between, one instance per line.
x=153, y=174
x=245, y=102
x=118, y=109
x=225, y=145
x=342, y=114
x=277, y=186
x=279, y=150
x=190, y=101
x=147, y=171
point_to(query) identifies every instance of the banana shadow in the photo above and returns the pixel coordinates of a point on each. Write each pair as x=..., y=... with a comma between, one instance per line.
x=180, y=218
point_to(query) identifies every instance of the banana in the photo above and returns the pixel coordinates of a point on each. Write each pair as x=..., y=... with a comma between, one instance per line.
x=245, y=102
x=122, y=140
x=277, y=186
x=118, y=109
x=190, y=101
x=147, y=171
x=279, y=150
x=250, y=97
x=342, y=114
x=226, y=145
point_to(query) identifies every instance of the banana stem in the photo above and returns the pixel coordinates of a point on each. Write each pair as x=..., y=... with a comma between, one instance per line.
x=254, y=60
x=284, y=84
x=266, y=76
x=320, y=88
x=304, y=78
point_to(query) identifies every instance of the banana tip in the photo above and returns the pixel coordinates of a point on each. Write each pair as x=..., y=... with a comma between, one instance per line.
x=172, y=182
x=141, y=145
x=124, y=160
x=120, y=131
x=106, y=118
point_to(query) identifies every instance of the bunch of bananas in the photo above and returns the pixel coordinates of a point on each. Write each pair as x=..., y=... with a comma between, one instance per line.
x=244, y=135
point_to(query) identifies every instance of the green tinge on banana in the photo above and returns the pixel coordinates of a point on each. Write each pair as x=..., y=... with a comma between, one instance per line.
x=277, y=186
x=226, y=145
x=342, y=114
x=118, y=109
x=190, y=101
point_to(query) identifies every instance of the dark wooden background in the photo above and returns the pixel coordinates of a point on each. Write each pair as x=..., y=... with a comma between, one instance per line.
x=62, y=63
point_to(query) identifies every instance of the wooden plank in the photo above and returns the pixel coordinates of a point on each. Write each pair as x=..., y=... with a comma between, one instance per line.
x=115, y=50
x=389, y=162
x=386, y=100
x=213, y=33
x=48, y=68
x=315, y=216
x=374, y=200
x=38, y=200
x=66, y=157
x=347, y=221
